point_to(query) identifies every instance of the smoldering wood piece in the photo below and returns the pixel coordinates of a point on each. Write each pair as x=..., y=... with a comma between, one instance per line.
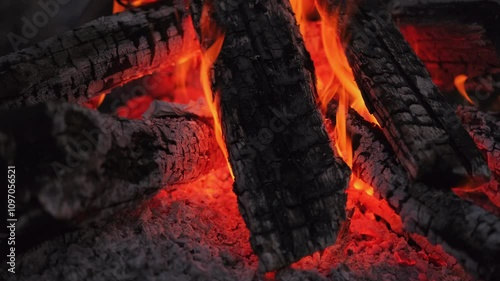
x=77, y=166
x=289, y=184
x=382, y=209
x=467, y=232
x=107, y=52
x=451, y=49
x=484, y=128
x=459, y=38
x=420, y=125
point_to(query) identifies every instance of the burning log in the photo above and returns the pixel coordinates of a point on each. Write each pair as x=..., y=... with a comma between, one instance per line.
x=484, y=129
x=79, y=166
x=420, y=125
x=289, y=184
x=90, y=60
x=466, y=231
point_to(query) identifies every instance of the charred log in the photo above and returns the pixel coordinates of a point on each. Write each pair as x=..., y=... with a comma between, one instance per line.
x=484, y=129
x=467, y=232
x=420, y=125
x=289, y=184
x=85, y=62
x=479, y=15
x=383, y=210
x=79, y=166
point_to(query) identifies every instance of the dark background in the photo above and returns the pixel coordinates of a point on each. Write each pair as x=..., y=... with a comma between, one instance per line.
x=70, y=15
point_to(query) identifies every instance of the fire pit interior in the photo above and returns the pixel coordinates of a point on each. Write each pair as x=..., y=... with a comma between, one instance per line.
x=255, y=140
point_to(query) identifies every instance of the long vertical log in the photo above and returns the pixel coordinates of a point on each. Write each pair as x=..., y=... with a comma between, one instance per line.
x=420, y=125
x=289, y=184
x=466, y=231
x=98, y=56
x=76, y=166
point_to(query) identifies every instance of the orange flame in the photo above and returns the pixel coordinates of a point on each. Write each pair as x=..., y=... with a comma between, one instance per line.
x=460, y=85
x=343, y=76
x=337, y=81
x=190, y=62
x=184, y=68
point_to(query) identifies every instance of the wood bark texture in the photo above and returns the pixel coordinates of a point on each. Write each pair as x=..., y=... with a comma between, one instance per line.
x=467, y=232
x=75, y=165
x=421, y=126
x=289, y=184
x=98, y=56
x=484, y=91
x=191, y=233
x=452, y=38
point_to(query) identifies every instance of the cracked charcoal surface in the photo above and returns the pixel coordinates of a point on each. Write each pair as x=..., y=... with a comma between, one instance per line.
x=119, y=163
x=290, y=186
x=194, y=232
x=420, y=125
x=466, y=231
x=96, y=57
x=458, y=39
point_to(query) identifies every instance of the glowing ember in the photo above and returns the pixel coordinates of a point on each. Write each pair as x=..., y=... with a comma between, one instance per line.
x=95, y=102
x=334, y=74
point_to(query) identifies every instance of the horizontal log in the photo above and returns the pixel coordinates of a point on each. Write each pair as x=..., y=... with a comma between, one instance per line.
x=98, y=56
x=467, y=232
x=289, y=184
x=75, y=166
x=420, y=125
x=383, y=210
x=484, y=128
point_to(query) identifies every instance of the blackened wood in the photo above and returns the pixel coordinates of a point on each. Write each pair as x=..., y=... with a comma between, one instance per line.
x=82, y=63
x=75, y=165
x=466, y=231
x=289, y=184
x=484, y=128
x=382, y=209
x=450, y=48
x=421, y=126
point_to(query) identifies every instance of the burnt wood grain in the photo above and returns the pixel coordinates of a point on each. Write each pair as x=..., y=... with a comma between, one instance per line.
x=98, y=56
x=289, y=184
